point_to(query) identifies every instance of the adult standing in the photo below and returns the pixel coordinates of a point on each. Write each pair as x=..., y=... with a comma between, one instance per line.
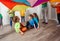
x=57, y=6
x=45, y=12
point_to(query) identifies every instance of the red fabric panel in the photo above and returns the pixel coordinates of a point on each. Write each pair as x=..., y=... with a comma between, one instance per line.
x=9, y=4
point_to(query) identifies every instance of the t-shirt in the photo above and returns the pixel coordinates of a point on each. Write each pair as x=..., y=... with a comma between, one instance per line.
x=35, y=20
x=17, y=26
x=1, y=16
x=58, y=8
x=22, y=12
x=44, y=5
x=31, y=22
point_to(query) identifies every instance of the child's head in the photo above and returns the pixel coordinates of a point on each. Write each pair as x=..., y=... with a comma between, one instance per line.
x=16, y=19
x=30, y=16
x=35, y=15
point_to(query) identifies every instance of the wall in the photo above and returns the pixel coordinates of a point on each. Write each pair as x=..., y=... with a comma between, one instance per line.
x=4, y=12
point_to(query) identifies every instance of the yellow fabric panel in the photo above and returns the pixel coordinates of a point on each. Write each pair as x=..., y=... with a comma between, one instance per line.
x=19, y=7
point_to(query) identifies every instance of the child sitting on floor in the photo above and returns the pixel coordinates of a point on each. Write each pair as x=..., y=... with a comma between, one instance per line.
x=36, y=20
x=30, y=22
x=17, y=25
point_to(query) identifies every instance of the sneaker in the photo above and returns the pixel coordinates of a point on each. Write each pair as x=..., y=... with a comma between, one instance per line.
x=45, y=22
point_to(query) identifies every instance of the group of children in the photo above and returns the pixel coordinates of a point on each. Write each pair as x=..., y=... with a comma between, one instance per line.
x=33, y=22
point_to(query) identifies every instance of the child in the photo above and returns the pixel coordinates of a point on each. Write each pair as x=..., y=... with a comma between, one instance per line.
x=17, y=25
x=57, y=6
x=30, y=23
x=1, y=17
x=36, y=19
x=22, y=16
x=11, y=17
x=45, y=12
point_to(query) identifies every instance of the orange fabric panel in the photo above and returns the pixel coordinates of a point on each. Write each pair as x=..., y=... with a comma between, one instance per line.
x=54, y=0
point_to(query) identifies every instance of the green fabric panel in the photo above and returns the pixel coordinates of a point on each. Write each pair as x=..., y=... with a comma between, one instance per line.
x=44, y=5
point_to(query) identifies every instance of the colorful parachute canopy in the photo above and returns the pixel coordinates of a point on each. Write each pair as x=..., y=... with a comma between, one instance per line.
x=9, y=3
x=22, y=1
x=54, y=0
x=32, y=3
x=21, y=8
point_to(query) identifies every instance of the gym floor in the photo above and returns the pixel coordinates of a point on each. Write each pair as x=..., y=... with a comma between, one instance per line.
x=46, y=32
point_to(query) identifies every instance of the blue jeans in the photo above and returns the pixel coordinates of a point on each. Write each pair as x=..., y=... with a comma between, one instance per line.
x=11, y=21
x=22, y=19
x=28, y=25
x=45, y=14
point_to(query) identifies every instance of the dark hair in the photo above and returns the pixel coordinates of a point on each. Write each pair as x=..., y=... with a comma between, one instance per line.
x=16, y=19
x=36, y=16
x=31, y=15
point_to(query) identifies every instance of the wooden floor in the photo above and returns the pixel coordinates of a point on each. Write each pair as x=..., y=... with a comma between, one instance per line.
x=47, y=32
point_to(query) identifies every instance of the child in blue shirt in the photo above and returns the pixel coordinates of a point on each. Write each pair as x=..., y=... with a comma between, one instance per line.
x=30, y=23
x=36, y=19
